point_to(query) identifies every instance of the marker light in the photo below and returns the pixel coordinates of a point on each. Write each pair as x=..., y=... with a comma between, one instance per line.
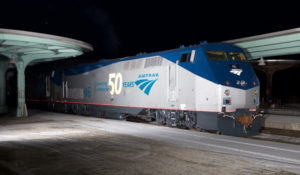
x=226, y=101
x=227, y=83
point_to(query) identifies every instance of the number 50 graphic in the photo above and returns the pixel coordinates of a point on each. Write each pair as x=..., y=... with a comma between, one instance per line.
x=115, y=82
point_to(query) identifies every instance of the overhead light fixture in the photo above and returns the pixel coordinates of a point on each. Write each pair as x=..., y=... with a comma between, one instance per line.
x=261, y=62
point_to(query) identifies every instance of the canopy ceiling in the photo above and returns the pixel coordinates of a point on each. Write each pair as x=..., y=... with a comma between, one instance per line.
x=36, y=47
x=285, y=42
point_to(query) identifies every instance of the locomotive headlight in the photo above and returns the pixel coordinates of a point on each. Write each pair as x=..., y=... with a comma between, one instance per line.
x=243, y=83
x=238, y=82
x=227, y=92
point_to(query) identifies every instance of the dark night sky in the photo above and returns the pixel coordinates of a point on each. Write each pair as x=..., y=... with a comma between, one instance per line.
x=124, y=28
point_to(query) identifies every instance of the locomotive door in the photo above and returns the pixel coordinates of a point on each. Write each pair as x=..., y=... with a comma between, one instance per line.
x=172, y=94
x=65, y=89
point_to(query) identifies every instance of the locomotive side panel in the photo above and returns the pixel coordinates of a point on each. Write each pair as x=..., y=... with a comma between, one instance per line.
x=134, y=84
x=186, y=90
x=207, y=95
x=126, y=84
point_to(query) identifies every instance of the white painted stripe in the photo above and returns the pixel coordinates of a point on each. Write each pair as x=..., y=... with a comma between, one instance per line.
x=254, y=154
x=192, y=56
x=220, y=139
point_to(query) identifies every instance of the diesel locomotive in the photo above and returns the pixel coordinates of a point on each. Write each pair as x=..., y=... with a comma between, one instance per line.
x=208, y=86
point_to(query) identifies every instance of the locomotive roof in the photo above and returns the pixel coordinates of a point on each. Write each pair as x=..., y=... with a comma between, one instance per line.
x=171, y=55
x=205, y=68
x=210, y=46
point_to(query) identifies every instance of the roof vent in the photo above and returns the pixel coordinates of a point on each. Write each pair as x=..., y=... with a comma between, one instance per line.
x=153, y=61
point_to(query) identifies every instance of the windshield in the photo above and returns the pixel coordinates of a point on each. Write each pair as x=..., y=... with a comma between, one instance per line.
x=237, y=56
x=216, y=55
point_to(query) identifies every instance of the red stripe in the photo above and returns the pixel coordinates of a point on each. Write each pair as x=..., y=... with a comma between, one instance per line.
x=98, y=104
x=231, y=111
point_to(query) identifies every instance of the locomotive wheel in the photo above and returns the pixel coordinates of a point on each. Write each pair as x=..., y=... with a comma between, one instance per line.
x=160, y=118
x=75, y=108
x=190, y=121
x=170, y=122
x=83, y=110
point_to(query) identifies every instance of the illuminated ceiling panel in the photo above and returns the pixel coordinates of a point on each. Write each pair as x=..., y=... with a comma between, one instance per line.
x=37, y=47
x=272, y=44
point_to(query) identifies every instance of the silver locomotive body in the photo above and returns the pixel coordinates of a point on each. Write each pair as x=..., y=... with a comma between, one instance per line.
x=210, y=87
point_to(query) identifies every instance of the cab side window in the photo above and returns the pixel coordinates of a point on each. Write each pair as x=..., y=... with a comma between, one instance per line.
x=216, y=55
x=188, y=57
x=237, y=56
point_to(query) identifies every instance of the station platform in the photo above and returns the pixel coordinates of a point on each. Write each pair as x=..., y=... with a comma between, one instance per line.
x=282, y=119
x=274, y=119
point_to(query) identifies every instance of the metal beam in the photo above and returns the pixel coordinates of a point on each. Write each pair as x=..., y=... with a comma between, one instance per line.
x=274, y=52
x=274, y=46
x=13, y=39
x=41, y=56
x=271, y=41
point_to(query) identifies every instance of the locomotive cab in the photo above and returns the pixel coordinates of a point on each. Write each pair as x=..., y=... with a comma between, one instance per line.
x=238, y=91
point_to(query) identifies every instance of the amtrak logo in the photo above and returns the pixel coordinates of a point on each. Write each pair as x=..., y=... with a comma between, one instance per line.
x=144, y=82
x=145, y=85
x=236, y=71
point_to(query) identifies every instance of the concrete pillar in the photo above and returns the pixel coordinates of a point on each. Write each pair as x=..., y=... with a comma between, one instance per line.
x=3, y=69
x=22, y=108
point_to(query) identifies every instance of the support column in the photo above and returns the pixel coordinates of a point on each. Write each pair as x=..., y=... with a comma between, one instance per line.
x=269, y=89
x=3, y=69
x=22, y=108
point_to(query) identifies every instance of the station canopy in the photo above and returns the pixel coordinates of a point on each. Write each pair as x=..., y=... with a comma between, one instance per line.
x=24, y=48
x=280, y=43
x=37, y=47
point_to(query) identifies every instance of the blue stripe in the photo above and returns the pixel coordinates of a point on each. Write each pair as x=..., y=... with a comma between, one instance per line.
x=140, y=81
x=147, y=91
x=142, y=86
